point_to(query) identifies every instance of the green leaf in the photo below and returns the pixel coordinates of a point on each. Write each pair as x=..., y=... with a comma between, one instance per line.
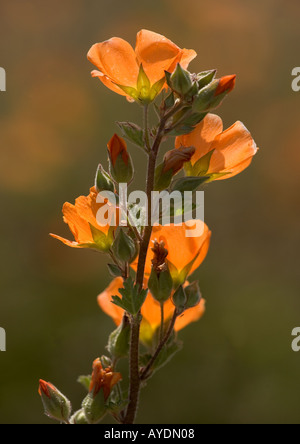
x=189, y=183
x=143, y=82
x=102, y=241
x=132, y=92
x=202, y=165
x=162, y=180
x=119, y=340
x=114, y=270
x=85, y=381
x=167, y=354
x=156, y=88
x=132, y=132
x=132, y=299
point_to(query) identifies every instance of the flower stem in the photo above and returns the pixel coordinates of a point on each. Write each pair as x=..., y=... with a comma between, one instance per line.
x=134, y=375
x=146, y=372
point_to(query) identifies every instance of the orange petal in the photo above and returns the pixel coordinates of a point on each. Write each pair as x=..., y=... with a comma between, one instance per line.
x=156, y=53
x=233, y=150
x=191, y=315
x=77, y=224
x=116, y=59
x=108, y=83
x=173, y=236
x=87, y=208
x=202, y=137
x=105, y=300
x=66, y=241
x=187, y=55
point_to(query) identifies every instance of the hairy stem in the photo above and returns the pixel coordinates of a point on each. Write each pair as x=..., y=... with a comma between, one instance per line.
x=135, y=380
x=146, y=372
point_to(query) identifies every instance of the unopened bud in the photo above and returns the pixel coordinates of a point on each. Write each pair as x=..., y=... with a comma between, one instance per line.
x=56, y=405
x=193, y=295
x=119, y=340
x=120, y=163
x=79, y=418
x=211, y=96
x=180, y=299
x=124, y=247
x=103, y=181
x=181, y=81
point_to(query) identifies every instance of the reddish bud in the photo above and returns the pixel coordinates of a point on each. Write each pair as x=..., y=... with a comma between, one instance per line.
x=226, y=84
x=116, y=147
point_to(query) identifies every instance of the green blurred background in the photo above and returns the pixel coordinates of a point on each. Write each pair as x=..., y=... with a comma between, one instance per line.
x=237, y=365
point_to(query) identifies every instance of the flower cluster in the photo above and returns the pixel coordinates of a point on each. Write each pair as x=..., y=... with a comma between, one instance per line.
x=151, y=296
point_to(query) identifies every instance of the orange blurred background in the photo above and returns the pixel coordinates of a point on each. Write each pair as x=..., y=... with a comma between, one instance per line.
x=237, y=365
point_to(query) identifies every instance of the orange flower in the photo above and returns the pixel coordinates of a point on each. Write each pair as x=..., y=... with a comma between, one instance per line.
x=185, y=254
x=231, y=150
x=151, y=311
x=104, y=379
x=82, y=221
x=119, y=64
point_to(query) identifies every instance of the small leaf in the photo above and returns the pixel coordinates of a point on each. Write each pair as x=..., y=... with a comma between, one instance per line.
x=202, y=165
x=85, y=381
x=188, y=183
x=156, y=88
x=132, y=92
x=132, y=299
x=114, y=270
x=102, y=241
x=132, y=132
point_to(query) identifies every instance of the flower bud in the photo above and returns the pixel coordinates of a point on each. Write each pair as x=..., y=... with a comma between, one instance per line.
x=173, y=162
x=180, y=299
x=211, y=96
x=193, y=295
x=181, y=81
x=119, y=340
x=95, y=404
x=124, y=247
x=79, y=418
x=103, y=181
x=120, y=163
x=160, y=282
x=56, y=405
x=206, y=77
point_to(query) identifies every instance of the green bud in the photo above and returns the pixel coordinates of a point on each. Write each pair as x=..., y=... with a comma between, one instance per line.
x=94, y=408
x=180, y=299
x=79, y=418
x=103, y=181
x=160, y=285
x=56, y=405
x=181, y=81
x=205, y=77
x=119, y=340
x=193, y=295
x=124, y=247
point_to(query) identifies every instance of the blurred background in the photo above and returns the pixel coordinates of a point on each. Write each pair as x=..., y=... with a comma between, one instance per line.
x=237, y=365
